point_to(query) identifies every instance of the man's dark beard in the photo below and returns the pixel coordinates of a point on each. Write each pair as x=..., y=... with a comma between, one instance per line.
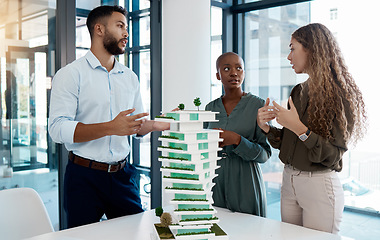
x=112, y=45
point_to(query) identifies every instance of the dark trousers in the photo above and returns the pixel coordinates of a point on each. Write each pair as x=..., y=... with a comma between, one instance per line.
x=89, y=193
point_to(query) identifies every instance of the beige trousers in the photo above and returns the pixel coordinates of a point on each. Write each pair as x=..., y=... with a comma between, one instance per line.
x=312, y=199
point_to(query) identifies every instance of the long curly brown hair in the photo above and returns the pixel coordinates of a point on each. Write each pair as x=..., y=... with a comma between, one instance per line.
x=333, y=93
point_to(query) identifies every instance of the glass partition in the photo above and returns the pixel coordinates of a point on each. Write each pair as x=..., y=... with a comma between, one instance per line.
x=216, y=49
x=27, y=57
x=269, y=74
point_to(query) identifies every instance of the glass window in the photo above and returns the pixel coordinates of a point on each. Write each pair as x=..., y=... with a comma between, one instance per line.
x=138, y=4
x=145, y=94
x=83, y=39
x=138, y=54
x=144, y=31
x=27, y=64
x=216, y=49
x=269, y=74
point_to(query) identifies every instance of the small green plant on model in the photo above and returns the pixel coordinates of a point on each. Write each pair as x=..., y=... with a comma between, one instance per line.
x=159, y=116
x=170, y=137
x=198, y=219
x=174, y=158
x=181, y=106
x=197, y=102
x=190, y=199
x=165, y=221
x=193, y=209
x=178, y=168
x=159, y=211
x=183, y=178
x=176, y=148
x=195, y=233
x=191, y=189
x=165, y=217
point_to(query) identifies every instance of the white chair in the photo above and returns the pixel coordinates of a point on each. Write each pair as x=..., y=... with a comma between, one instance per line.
x=22, y=214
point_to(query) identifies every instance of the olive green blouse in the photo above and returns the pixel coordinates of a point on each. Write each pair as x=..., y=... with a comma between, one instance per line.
x=316, y=153
x=239, y=184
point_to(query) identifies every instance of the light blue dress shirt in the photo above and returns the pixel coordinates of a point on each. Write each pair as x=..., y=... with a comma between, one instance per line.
x=84, y=91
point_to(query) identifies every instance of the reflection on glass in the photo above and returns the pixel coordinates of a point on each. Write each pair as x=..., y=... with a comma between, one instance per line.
x=83, y=39
x=144, y=4
x=144, y=31
x=145, y=94
x=216, y=49
x=268, y=72
x=145, y=190
x=249, y=1
x=27, y=65
x=135, y=5
x=216, y=85
x=88, y=5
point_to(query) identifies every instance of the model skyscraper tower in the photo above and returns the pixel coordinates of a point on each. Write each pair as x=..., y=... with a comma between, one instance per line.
x=189, y=159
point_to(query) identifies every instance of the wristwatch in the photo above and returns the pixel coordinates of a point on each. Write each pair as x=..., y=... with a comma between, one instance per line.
x=305, y=135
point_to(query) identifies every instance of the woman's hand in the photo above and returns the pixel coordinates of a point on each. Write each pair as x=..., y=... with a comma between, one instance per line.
x=289, y=118
x=264, y=115
x=229, y=138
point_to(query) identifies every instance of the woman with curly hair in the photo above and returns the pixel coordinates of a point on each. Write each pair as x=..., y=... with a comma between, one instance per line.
x=324, y=114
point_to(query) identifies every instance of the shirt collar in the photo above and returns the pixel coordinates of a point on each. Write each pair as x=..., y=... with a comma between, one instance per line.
x=92, y=60
x=118, y=67
x=94, y=63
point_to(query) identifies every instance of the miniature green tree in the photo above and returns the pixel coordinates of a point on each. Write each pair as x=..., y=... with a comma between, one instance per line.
x=159, y=211
x=197, y=102
x=181, y=106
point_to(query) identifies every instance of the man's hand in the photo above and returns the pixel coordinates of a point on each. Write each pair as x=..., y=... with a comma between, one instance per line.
x=124, y=124
x=121, y=125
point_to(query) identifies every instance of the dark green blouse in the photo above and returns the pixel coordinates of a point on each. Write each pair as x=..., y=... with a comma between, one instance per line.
x=239, y=184
x=316, y=153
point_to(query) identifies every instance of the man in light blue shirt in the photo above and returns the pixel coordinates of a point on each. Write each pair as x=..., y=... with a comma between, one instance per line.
x=95, y=105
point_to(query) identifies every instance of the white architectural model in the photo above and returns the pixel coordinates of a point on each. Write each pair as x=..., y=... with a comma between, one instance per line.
x=189, y=156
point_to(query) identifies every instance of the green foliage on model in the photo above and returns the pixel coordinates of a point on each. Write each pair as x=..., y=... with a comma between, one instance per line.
x=181, y=106
x=175, y=158
x=178, y=168
x=159, y=116
x=191, y=189
x=194, y=210
x=176, y=148
x=194, y=233
x=199, y=219
x=190, y=199
x=170, y=137
x=197, y=102
x=159, y=211
x=182, y=178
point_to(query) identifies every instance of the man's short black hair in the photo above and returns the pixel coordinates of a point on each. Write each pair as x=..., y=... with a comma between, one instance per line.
x=101, y=12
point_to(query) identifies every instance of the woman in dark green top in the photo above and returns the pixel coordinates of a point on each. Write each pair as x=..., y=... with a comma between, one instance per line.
x=239, y=184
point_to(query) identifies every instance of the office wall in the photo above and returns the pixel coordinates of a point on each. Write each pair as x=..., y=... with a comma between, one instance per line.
x=185, y=52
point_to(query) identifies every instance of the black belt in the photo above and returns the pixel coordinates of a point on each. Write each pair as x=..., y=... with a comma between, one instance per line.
x=84, y=162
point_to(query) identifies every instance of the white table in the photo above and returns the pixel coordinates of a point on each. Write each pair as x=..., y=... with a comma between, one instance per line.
x=238, y=226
